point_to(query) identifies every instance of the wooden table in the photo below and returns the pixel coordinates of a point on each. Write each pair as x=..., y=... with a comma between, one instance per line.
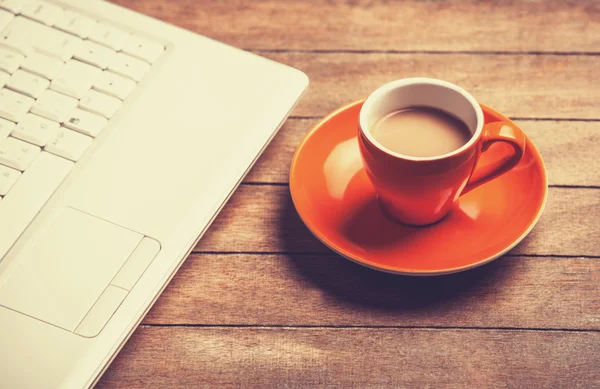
x=262, y=304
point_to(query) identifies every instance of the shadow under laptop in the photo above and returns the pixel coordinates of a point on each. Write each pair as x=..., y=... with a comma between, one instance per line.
x=350, y=283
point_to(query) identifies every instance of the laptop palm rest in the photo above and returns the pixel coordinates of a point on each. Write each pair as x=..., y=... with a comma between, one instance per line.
x=77, y=272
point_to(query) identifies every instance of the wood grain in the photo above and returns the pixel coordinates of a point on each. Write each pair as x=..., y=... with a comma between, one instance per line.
x=263, y=304
x=566, y=148
x=524, y=86
x=250, y=289
x=465, y=25
x=355, y=358
x=263, y=219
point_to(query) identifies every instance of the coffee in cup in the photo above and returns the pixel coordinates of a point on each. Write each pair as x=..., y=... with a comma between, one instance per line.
x=420, y=132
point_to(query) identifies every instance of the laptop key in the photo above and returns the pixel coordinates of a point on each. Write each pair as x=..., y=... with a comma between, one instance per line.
x=8, y=177
x=5, y=18
x=74, y=23
x=85, y=122
x=95, y=54
x=27, y=83
x=6, y=128
x=143, y=49
x=54, y=106
x=58, y=44
x=10, y=61
x=100, y=103
x=17, y=154
x=35, y=129
x=13, y=105
x=42, y=65
x=109, y=36
x=19, y=35
x=128, y=66
x=68, y=144
x=42, y=12
x=4, y=77
x=75, y=79
x=13, y=6
x=114, y=85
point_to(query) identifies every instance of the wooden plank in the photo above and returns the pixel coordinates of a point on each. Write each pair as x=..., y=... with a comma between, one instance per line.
x=263, y=219
x=524, y=86
x=355, y=358
x=465, y=25
x=328, y=290
x=566, y=147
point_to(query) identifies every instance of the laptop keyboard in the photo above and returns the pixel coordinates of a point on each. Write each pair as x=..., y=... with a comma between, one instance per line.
x=63, y=76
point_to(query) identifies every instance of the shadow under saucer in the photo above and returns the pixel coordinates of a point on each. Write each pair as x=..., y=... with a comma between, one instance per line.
x=356, y=285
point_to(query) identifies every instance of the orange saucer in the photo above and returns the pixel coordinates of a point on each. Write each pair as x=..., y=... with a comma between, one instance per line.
x=338, y=204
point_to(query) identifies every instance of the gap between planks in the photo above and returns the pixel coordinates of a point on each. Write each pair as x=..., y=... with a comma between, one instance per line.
x=263, y=183
x=532, y=119
x=324, y=253
x=362, y=327
x=432, y=52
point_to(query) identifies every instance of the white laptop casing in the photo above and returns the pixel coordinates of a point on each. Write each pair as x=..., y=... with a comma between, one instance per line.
x=163, y=168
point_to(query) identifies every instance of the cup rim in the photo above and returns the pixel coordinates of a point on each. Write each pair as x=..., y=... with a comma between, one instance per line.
x=367, y=105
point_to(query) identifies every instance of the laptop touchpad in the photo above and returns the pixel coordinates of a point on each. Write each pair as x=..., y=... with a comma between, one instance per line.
x=70, y=265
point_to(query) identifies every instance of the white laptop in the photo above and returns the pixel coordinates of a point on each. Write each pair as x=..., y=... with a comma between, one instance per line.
x=121, y=138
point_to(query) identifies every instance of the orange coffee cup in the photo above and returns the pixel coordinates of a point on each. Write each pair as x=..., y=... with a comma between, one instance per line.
x=422, y=190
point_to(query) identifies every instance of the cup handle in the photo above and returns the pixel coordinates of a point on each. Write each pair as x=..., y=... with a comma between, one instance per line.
x=497, y=132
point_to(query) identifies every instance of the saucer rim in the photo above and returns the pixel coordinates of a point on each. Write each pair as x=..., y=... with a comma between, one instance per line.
x=408, y=272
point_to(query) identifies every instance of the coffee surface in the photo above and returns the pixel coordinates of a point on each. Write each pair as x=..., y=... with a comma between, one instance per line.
x=420, y=132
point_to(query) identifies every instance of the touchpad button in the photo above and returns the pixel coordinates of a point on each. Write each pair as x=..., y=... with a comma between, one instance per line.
x=60, y=276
